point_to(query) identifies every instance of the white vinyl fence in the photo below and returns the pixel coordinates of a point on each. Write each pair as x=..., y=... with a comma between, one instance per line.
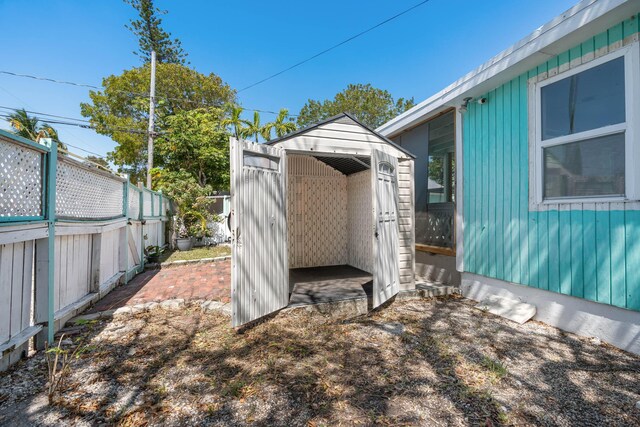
x=69, y=233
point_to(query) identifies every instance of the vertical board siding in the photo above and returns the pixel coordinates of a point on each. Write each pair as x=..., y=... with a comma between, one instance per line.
x=16, y=267
x=73, y=269
x=135, y=230
x=589, y=250
x=406, y=214
x=109, y=254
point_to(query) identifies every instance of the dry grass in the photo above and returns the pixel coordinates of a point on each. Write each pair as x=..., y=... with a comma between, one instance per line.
x=196, y=253
x=444, y=364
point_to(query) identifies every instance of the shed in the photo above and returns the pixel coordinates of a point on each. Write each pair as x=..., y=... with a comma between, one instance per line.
x=335, y=198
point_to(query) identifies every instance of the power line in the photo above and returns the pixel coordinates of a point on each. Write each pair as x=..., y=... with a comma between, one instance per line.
x=44, y=114
x=26, y=103
x=66, y=143
x=304, y=61
x=134, y=94
x=86, y=126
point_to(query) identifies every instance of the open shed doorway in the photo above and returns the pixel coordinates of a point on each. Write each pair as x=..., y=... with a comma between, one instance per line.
x=336, y=198
x=330, y=228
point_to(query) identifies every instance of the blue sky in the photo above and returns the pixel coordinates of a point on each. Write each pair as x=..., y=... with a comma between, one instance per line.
x=245, y=41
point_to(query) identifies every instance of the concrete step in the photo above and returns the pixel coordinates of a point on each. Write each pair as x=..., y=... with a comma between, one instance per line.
x=338, y=308
x=358, y=306
x=430, y=290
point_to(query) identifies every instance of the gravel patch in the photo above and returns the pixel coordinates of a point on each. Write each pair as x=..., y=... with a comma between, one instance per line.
x=423, y=362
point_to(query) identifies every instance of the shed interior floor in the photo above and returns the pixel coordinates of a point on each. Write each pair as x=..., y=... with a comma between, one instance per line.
x=317, y=285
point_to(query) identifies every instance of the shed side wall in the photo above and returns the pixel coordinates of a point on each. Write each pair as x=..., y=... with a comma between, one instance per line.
x=360, y=221
x=590, y=251
x=406, y=215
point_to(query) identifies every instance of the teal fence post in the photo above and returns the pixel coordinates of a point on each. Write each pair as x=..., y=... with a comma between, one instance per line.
x=52, y=162
x=141, y=230
x=125, y=241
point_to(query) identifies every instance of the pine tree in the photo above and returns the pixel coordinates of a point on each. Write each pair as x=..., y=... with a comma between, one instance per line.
x=151, y=36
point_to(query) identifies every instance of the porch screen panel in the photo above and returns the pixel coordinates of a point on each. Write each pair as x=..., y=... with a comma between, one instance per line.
x=435, y=221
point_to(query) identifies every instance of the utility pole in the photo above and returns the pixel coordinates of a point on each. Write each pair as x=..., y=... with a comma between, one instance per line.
x=152, y=112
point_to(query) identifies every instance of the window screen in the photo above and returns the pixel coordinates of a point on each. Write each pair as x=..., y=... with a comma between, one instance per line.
x=584, y=101
x=593, y=167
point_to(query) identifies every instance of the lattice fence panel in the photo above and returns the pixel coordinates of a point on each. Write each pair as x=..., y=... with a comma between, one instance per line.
x=146, y=202
x=81, y=193
x=134, y=203
x=20, y=181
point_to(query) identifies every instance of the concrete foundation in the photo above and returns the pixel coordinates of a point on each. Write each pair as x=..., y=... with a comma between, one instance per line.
x=614, y=325
x=436, y=268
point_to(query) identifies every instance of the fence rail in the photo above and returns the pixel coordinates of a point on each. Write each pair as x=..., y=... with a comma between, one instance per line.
x=69, y=233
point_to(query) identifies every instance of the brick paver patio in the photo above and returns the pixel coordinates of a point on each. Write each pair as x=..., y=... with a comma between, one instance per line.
x=208, y=281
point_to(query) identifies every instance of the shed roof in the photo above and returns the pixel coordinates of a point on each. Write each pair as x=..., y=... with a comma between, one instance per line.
x=586, y=18
x=343, y=118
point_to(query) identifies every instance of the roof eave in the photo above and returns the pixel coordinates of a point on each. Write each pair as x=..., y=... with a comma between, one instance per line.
x=332, y=119
x=561, y=33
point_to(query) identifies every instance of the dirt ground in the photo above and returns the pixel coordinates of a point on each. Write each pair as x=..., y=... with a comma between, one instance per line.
x=427, y=362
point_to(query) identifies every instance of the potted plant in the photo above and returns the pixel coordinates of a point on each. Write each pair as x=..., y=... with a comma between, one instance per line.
x=153, y=253
x=192, y=202
x=184, y=242
x=191, y=225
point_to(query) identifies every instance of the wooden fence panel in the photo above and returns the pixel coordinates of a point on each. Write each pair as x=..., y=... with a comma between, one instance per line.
x=16, y=273
x=109, y=255
x=73, y=265
x=66, y=220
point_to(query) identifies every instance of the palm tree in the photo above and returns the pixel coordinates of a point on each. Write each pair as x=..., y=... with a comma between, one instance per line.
x=281, y=125
x=234, y=120
x=31, y=128
x=255, y=129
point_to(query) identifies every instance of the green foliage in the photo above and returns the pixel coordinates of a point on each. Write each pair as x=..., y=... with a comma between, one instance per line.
x=241, y=128
x=32, y=128
x=281, y=125
x=197, y=142
x=494, y=366
x=190, y=197
x=436, y=169
x=151, y=36
x=234, y=120
x=254, y=129
x=370, y=105
x=120, y=111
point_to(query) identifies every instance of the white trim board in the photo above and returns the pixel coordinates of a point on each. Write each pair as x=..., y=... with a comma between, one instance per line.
x=614, y=325
x=585, y=19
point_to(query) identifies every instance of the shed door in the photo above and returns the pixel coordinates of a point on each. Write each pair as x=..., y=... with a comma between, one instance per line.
x=260, y=271
x=386, y=268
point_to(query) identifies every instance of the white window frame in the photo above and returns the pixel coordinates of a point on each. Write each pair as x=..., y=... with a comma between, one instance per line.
x=631, y=126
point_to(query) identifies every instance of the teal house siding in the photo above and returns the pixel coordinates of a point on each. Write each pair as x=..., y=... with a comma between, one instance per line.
x=587, y=253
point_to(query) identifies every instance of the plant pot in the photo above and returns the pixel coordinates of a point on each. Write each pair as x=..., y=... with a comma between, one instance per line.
x=184, y=244
x=153, y=258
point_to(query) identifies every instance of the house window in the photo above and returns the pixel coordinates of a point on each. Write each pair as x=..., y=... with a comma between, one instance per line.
x=584, y=144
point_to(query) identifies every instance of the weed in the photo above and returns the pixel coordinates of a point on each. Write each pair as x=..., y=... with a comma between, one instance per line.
x=58, y=360
x=494, y=366
x=234, y=388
